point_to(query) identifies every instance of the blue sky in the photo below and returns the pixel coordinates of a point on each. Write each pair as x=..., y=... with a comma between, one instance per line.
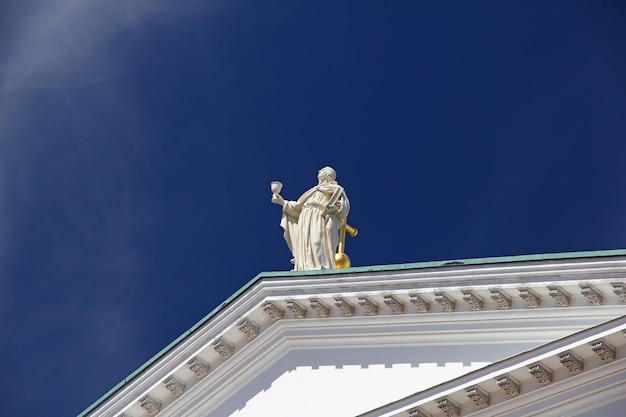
x=138, y=139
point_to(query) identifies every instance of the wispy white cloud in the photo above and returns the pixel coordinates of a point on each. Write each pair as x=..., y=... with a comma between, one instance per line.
x=61, y=42
x=55, y=156
x=52, y=47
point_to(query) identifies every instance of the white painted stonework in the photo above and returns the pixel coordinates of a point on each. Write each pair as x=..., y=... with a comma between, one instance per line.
x=580, y=375
x=349, y=390
x=432, y=339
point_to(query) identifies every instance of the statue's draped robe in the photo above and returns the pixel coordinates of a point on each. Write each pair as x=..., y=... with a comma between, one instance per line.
x=311, y=233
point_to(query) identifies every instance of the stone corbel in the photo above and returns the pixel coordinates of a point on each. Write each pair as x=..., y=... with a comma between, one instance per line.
x=560, y=295
x=199, y=367
x=510, y=386
x=605, y=351
x=573, y=363
x=273, y=311
x=224, y=348
x=449, y=408
x=501, y=298
x=396, y=306
x=475, y=302
x=422, y=305
x=174, y=386
x=479, y=396
x=446, y=302
x=249, y=328
x=151, y=405
x=346, y=308
x=594, y=297
x=532, y=299
x=297, y=310
x=542, y=374
x=370, y=307
x=418, y=412
x=320, y=308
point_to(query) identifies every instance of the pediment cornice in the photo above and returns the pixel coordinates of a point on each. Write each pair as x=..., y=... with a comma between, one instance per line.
x=276, y=313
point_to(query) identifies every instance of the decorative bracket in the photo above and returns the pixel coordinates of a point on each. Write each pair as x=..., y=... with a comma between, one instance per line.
x=449, y=408
x=446, y=302
x=594, y=297
x=151, y=405
x=479, y=396
x=422, y=305
x=532, y=298
x=370, y=307
x=198, y=367
x=174, y=386
x=224, y=348
x=397, y=307
x=346, y=308
x=475, y=302
x=605, y=351
x=501, y=298
x=249, y=328
x=296, y=309
x=572, y=362
x=542, y=374
x=510, y=386
x=560, y=295
x=273, y=311
x=320, y=308
x=418, y=412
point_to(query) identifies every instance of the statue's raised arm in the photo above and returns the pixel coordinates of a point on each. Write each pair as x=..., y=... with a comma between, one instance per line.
x=312, y=222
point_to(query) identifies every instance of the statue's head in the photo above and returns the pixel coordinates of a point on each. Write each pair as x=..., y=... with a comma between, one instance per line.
x=326, y=174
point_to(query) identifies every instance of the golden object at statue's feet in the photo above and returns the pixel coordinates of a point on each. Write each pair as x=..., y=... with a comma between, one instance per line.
x=342, y=260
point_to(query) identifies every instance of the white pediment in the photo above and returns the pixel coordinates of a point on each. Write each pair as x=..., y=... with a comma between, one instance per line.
x=343, y=343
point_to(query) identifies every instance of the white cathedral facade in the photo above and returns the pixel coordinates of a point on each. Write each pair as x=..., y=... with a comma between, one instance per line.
x=538, y=335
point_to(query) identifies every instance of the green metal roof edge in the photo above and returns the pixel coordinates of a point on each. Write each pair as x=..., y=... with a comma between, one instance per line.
x=375, y=268
x=454, y=262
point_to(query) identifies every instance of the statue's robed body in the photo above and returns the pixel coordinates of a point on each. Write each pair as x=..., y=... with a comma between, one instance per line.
x=312, y=225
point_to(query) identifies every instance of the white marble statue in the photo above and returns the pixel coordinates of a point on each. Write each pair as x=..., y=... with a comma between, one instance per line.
x=313, y=221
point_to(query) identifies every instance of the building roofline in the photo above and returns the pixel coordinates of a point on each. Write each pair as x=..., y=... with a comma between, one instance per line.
x=353, y=270
x=450, y=262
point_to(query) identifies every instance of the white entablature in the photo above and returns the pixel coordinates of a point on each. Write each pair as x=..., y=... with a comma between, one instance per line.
x=306, y=343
